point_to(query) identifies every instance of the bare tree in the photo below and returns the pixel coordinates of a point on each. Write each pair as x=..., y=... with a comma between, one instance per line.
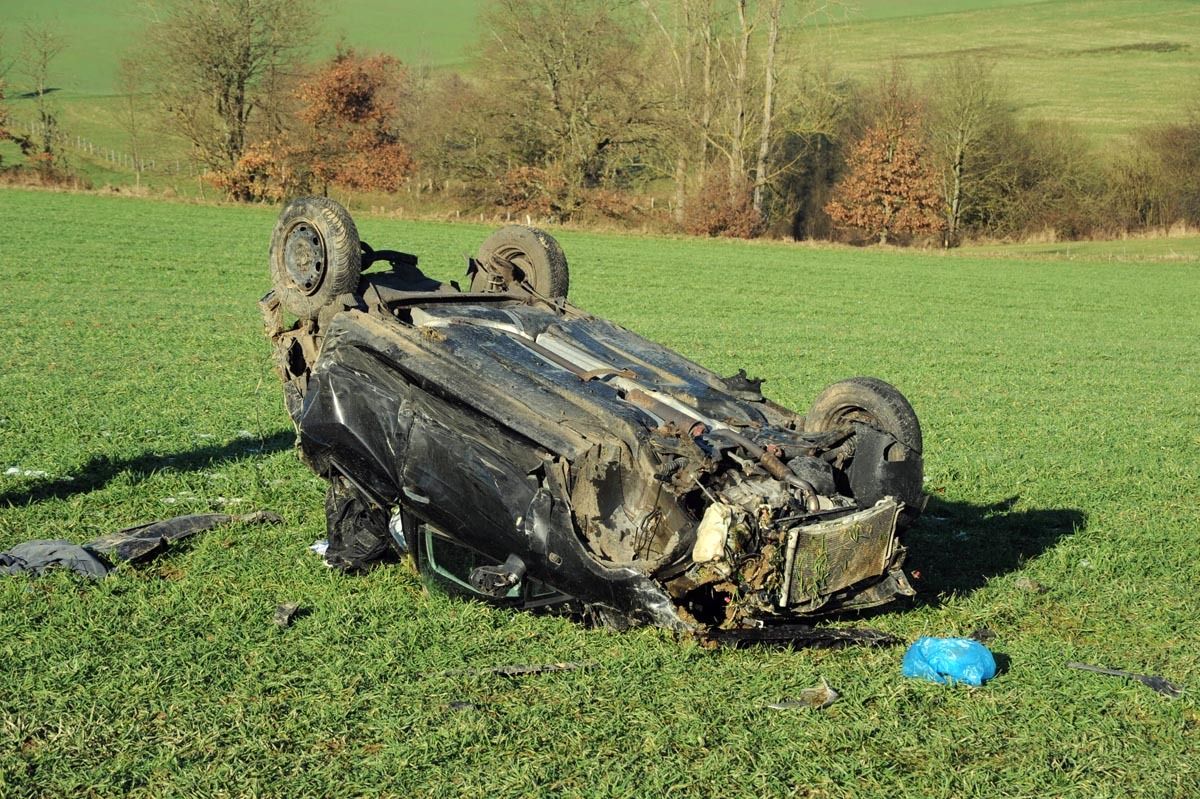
x=774, y=10
x=5, y=65
x=571, y=90
x=40, y=47
x=685, y=28
x=735, y=149
x=216, y=63
x=131, y=84
x=970, y=110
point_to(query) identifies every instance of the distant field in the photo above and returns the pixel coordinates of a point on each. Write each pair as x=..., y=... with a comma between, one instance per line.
x=1057, y=391
x=1108, y=66
x=98, y=34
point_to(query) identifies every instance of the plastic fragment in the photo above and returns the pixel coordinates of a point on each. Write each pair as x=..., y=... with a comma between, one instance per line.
x=818, y=697
x=949, y=661
x=712, y=533
x=1029, y=585
x=983, y=635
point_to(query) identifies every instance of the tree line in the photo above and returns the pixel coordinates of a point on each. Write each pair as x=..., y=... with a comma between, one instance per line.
x=700, y=115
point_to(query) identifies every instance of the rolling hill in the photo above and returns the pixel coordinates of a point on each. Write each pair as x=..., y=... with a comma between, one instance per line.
x=1105, y=66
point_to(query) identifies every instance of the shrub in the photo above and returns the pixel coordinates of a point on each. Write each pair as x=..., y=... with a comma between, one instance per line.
x=720, y=208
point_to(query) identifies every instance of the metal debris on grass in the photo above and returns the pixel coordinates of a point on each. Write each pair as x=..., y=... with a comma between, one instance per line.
x=521, y=670
x=1029, y=585
x=1151, y=681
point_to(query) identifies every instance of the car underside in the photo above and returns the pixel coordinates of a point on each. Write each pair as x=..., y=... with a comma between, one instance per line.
x=532, y=454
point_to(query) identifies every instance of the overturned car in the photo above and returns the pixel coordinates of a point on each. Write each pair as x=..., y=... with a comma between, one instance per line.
x=531, y=454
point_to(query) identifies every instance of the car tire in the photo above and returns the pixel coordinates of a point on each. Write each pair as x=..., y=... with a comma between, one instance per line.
x=315, y=255
x=869, y=401
x=518, y=253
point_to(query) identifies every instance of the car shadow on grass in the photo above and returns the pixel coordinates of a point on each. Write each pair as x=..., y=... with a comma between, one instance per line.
x=101, y=469
x=956, y=547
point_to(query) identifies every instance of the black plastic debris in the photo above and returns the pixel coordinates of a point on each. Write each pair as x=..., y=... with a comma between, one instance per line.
x=145, y=541
x=983, y=635
x=136, y=544
x=1151, y=681
x=38, y=557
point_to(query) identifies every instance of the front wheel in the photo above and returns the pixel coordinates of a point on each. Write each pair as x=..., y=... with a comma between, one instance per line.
x=884, y=463
x=870, y=401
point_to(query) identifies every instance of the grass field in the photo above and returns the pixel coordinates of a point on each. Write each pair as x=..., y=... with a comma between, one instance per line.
x=1058, y=397
x=1109, y=66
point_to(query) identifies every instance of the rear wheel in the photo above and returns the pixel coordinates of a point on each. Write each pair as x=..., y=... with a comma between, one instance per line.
x=315, y=255
x=518, y=254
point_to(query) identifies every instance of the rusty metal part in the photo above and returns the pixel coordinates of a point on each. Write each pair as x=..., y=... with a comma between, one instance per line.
x=775, y=467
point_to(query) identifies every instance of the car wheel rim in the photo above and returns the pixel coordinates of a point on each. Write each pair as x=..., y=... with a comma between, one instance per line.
x=304, y=257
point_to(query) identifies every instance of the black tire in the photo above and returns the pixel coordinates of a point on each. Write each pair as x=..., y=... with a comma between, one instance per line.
x=518, y=253
x=870, y=401
x=315, y=255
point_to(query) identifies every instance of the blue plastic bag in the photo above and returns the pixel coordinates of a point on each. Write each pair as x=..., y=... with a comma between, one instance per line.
x=949, y=660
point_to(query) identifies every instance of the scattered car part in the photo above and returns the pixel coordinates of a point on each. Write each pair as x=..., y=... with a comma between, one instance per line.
x=538, y=456
x=818, y=697
x=38, y=557
x=1151, y=681
x=286, y=613
x=135, y=544
x=983, y=635
x=145, y=541
x=519, y=670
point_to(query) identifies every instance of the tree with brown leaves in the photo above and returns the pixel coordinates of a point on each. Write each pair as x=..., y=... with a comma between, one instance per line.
x=890, y=186
x=350, y=107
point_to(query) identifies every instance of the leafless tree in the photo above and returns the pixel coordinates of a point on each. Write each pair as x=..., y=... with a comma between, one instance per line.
x=40, y=47
x=970, y=110
x=216, y=65
x=774, y=10
x=686, y=31
x=131, y=81
x=570, y=88
x=5, y=65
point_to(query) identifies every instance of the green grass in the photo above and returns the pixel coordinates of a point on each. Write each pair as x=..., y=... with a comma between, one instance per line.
x=1058, y=399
